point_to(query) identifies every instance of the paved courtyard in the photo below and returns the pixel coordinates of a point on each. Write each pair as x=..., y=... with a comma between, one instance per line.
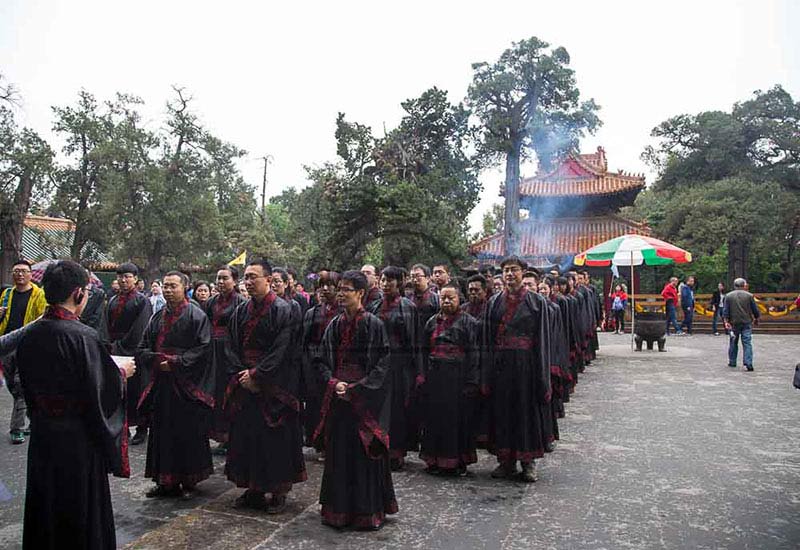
x=658, y=450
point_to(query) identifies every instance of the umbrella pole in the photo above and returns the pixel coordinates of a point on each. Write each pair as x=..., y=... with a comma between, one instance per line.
x=633, y=304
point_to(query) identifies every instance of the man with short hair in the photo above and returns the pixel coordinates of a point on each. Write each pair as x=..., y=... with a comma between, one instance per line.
x=451, y=376
x=315, y=321
x=425, y=299
x=515, y=373
x=76, y=401
x=373, y=293
x=440, y=275
x=127, y=313
x=670, y=295
x=687, y=304
x=179, y=397
x=740, y=314
x=477, y=296
x=530, y=280
x=356, y=489
x=291, y=291
x=265, y=449
x=19, y=305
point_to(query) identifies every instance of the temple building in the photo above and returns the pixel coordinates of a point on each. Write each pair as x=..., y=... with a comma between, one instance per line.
x=569, y=209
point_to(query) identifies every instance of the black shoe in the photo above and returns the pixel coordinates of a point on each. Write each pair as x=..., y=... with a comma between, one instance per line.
x=732, y=366
x=749, y=368
x=504, y=471
x=164, y=491
x=528, y=474
x=433, y=469
x=549, y=447
x=140, y=437
x=252, y=500
x=396, y=464
x=276, y=504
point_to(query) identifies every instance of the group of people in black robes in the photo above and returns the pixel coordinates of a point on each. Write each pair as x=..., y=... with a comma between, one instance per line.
x=376, y=365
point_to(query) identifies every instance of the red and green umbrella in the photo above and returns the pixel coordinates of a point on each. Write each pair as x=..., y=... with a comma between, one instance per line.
x=630, y=250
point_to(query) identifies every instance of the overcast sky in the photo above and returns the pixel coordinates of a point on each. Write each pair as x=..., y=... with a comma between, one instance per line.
x=271, y=77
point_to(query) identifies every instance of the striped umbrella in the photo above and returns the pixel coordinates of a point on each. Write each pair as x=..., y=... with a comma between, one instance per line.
x=631, y=250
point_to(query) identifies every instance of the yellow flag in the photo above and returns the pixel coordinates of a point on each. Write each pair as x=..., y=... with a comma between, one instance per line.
x=241, y=259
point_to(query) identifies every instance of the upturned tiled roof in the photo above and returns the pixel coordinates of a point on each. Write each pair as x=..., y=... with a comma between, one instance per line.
x=581, y=175
x=560, y=236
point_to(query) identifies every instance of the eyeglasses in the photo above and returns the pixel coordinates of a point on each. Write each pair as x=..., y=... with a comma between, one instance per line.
x=417, y=276
x=20, y=271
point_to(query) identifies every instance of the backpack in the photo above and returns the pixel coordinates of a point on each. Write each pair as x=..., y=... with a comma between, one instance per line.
x=617, y=305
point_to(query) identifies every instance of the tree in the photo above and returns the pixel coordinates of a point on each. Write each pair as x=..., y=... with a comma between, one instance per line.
x=392, y=200
x=85, y=131
x=753, y=154
x=493, y=220
x=527, y=99
x=25, y=165
x=8, y=92
x=175, y=197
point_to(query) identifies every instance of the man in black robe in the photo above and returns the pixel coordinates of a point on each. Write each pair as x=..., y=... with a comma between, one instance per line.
x=75, y=398
x=219, y=309
x=402, y=325
x=581, y=320
x=127, y=313
x=558, y=369
x=373, y=293
x=558, y=292
x=179, y=396
x=315, y=321
x=291, y=291
x=515, y=369
x=477, y=294
x=425, y=297
x=451, y=371
x=596, y=312
x=357, y=487
x=265, y=445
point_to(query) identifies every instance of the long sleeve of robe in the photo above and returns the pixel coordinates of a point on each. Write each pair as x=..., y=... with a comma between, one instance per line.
x=75, y=397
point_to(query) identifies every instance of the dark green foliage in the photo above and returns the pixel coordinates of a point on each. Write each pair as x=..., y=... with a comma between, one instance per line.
x=729, y=182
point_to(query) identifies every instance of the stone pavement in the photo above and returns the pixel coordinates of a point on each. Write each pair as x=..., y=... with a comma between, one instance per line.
x=658, y=450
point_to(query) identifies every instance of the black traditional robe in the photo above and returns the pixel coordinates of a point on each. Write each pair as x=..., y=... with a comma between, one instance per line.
x=581, y=327
x=515, y=371
x=566, y=360
x=452, y=375
x=219, y=309
x=399, y=317
x=315, y=321
x=75, y=398
x=127, y=314
x=371, y=296
x=177, y=404
x=596, y=311
x=427, y=306
x=482, y=405
x=475, y=310
x=558, y=372
x=265, y=445
x=357, y=487
x=94, y=314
